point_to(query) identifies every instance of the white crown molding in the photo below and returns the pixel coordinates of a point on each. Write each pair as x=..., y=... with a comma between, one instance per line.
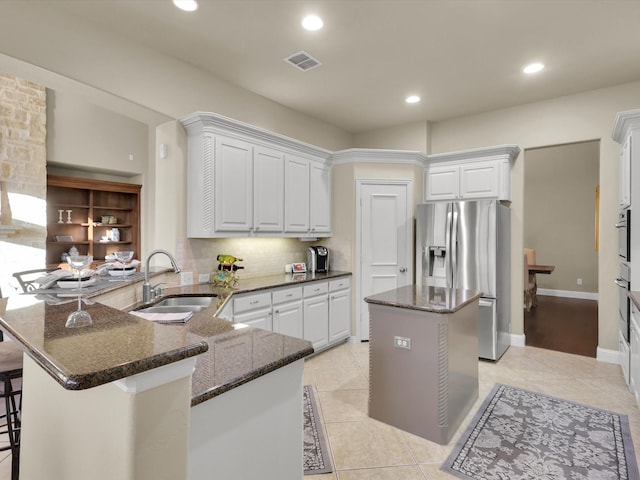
x=480, y=154
x=624, y=122
x=197, y=122
x=369, y=155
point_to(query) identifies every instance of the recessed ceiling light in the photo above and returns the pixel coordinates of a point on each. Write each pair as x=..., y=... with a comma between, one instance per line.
x=312, y=23
x=533, y=68
x=186, y=5
x=412, y=99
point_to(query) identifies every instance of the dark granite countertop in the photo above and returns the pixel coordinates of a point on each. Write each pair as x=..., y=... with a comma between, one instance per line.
x=115, y=346
x=118, y=344
x=427, y=299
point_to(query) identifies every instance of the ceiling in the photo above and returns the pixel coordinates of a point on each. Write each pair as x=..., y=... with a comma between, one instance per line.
x=461, y=56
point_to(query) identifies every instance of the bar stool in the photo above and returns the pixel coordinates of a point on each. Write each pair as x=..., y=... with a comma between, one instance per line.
x=10, y=371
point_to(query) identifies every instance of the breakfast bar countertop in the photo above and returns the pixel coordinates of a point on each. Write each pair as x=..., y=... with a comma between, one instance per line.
x=428, y=299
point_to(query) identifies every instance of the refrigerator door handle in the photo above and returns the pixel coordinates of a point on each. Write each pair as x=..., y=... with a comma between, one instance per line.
x=454, y=250
x=447, y=240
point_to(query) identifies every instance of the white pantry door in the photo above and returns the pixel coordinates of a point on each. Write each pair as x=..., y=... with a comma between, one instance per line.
x=386, y=226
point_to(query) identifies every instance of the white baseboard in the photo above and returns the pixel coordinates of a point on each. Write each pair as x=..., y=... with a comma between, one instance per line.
x=517, y=340
x=607, y=355
x=568, y=294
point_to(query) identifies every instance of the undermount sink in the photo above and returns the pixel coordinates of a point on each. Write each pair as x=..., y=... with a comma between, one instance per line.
x=181, y=301
x=179, y=304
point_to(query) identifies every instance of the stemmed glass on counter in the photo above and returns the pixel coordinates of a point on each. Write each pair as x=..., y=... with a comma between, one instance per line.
x=124, y=257
x=79, y=318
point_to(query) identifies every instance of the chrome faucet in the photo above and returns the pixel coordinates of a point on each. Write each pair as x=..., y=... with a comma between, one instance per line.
x=151, y=292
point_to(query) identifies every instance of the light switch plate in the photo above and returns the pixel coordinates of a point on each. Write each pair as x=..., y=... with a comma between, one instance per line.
x=402, y=342
x=186, y=278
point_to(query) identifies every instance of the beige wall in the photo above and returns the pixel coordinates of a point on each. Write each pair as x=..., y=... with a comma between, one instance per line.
x=559, y=213
x=575, y=118
x=91, y=137
x=411, y=136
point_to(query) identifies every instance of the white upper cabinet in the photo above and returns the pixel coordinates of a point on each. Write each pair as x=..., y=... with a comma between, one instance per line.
x=233, y=166
x=470, y=174
x=245, y=181
x=626, y=131
x=296, y=195
x=319, y=198
x=268, y=190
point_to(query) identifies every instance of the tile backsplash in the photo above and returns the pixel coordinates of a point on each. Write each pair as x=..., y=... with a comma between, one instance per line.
x=260, y=256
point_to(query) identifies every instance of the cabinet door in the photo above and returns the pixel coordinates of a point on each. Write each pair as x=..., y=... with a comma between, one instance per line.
x=287, y=319
x=256, y=318
x=479, y=180
x=268, y=203
x=634, y=354
x=233, y=185
x=442, y=182
x=339, y=315
x=296, y=195
x=316, y=321
x=319, y=199
x=625, y=174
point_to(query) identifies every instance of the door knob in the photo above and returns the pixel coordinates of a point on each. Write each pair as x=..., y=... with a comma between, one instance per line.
x=403, y=269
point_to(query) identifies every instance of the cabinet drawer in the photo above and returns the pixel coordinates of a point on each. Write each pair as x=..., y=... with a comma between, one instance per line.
x=339, y=284
x=251, y=302
x=315, y=288
x=286, y=295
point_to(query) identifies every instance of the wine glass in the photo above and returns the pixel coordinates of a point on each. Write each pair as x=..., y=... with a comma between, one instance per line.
x=124, y=257
x=79, y=318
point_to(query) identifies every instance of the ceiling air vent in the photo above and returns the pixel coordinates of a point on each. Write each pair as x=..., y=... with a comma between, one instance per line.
x=303, y=61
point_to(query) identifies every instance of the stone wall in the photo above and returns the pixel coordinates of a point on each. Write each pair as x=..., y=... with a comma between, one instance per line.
x=23, y=177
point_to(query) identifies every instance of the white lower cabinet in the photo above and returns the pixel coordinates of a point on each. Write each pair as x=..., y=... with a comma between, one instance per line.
x=339, y=309
x=287, y=311
x=256, y=318
x=316, y=314
x=253, y=309
x=318, y=311
x=634, y=353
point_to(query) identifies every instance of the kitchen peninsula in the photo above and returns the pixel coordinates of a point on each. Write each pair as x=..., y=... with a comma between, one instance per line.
x=132, y=399
x=423, y=370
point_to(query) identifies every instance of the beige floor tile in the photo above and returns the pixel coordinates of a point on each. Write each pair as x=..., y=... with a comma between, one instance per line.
x=432, y=472
x=340, y=378
x=391, y=473
x=344, y=405
x=426, y=451
x=367, y=443
x=342, y=356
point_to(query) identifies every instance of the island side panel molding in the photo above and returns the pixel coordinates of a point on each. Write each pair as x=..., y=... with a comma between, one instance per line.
x=103, y=433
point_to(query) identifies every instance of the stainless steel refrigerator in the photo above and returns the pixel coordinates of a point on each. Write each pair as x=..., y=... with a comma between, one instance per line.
x=466, y=245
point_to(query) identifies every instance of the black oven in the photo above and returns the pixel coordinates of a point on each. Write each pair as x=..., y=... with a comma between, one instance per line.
x=624, y=305
x=624, y=234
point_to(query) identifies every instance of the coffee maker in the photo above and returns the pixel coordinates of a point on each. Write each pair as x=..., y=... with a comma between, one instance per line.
x=318, y=259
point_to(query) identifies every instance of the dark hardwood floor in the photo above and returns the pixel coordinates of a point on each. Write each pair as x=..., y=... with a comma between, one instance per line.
x=564, y=324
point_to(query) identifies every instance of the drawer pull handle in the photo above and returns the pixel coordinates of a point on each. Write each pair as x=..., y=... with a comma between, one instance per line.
x=289, y=295
x=253, y=302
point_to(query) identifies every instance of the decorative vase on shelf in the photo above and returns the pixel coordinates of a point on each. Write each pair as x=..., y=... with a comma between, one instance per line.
x=73, y=251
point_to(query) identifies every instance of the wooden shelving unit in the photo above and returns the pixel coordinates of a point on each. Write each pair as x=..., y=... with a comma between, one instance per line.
x=75, y=209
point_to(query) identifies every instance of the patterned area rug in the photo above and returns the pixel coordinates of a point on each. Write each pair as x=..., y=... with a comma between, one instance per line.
x=518, y=434
x=316, y=455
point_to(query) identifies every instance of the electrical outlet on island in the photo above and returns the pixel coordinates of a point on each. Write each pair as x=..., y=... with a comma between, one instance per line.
x=186, y=278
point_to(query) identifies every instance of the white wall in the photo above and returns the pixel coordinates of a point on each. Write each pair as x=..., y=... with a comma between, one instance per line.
x=575, y=118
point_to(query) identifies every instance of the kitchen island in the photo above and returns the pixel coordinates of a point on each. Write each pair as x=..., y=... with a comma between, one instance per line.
x=423, y=366
x=128, y=398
